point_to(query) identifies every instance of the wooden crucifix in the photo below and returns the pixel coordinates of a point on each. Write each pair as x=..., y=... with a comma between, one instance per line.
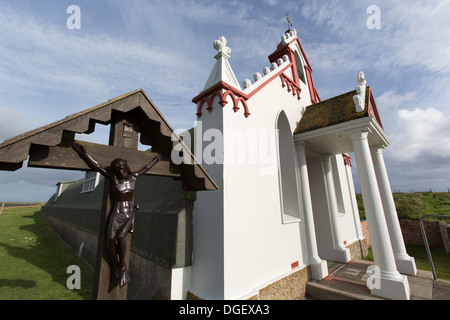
x=121, y=220
x=130, y=115
x=118, y=210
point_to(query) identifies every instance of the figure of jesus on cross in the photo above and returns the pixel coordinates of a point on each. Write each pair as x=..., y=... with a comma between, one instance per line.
x=122, y=218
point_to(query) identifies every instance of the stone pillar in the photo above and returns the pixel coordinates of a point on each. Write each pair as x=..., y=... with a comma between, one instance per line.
x=390, y=283
x=319, y=269
x=405, y=263
x=342, y=253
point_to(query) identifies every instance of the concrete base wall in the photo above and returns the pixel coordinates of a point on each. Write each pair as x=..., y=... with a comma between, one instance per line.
x=83, y=243
x=359, y=249
x=290, y=287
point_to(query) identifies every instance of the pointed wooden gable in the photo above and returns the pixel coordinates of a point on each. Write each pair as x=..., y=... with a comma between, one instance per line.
x=51, y=146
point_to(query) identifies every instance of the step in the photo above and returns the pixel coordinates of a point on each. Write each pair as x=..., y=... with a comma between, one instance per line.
x=333, y=290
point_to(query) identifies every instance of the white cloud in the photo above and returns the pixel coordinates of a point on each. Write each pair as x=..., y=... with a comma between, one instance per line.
x=390, y=101
x=414, y=38
x=272, y=2
x=419, y=34
x=419, y=133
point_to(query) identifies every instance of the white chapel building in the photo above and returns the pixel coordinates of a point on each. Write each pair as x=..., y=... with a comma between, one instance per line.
x=286, y=200
x=284, y=204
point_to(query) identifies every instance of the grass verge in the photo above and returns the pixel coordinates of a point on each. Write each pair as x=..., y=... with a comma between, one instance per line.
x=34, y=260
x=441, y=260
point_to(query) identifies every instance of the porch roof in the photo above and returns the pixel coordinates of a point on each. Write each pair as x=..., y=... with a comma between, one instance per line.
x=335, y=110
x=326, y=126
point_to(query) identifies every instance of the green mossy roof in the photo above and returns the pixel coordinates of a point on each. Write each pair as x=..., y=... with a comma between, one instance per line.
x=330, y=112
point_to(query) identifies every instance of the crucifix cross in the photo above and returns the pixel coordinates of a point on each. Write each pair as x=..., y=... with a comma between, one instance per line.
x=289, y=21
x=132, y=118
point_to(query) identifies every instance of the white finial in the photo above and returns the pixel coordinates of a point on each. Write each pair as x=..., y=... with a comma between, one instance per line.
x=360, y=78
x=221, y=46
x=360, y=98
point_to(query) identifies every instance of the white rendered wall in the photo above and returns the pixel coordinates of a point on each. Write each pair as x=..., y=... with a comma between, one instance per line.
x=181, y=283
x=259, y=247
x=322, y=221
x=345, y=218
x=241, y=242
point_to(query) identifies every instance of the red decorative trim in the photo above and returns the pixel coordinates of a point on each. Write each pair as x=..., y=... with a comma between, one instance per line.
x=347, y=160
x=209, y=95
x=291, y=85
x=237, y=95
x=372, y=110
x=240, y=97
x=312, y=89
x=283, y=49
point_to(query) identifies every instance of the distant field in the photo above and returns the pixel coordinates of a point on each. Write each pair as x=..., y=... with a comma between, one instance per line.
x=411, y=206
x=20, y=204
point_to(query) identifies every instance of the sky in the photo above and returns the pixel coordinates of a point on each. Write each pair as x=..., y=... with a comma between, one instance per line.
x=49, y=70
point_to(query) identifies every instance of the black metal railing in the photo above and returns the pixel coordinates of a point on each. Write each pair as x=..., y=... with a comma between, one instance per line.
x=427, y=247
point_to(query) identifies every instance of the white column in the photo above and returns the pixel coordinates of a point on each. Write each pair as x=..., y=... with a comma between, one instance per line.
x=342, y=253
x=351, y=189
x=319, y=269
x=391, y=283
x=405, y=263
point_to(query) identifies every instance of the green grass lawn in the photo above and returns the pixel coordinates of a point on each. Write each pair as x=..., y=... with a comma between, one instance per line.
x=441, y=260
x=412, y=206
x=34, y=260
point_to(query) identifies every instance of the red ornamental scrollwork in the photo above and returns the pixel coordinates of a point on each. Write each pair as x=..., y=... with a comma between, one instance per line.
x=291, y=85
x=347, y=160
x=223, y=102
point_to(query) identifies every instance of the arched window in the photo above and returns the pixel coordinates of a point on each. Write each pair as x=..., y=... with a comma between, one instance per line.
x=300, y=69
x=286, y=171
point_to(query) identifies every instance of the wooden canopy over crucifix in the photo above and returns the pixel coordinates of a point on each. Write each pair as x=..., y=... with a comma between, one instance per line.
x=132, y=117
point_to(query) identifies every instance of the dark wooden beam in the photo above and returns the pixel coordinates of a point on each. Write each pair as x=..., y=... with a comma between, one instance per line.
x=67, y=158
x=7, y=166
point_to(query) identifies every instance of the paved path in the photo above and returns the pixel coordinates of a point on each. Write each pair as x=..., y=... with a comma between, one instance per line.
x=349, y=281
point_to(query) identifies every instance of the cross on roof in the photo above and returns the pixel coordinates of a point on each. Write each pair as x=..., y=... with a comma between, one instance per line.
x=289, y=21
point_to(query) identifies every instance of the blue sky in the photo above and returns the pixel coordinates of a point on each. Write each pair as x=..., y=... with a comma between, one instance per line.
x=48, y=71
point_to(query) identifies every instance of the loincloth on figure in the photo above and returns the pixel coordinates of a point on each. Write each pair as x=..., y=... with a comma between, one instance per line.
x=122, y=219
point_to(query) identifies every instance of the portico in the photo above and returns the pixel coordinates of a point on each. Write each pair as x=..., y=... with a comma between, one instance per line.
x=342, y=129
